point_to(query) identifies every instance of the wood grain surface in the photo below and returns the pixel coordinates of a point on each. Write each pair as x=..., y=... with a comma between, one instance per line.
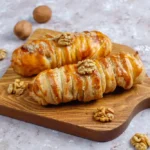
x=76, y=118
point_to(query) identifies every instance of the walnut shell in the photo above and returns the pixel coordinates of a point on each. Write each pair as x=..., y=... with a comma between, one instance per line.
x=42, y=14
x=23, y=29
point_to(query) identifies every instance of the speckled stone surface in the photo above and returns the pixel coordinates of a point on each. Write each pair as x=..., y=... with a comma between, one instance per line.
x=124, y=21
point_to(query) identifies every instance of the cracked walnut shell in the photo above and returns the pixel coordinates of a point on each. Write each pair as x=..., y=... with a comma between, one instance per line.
x=18, y=87
x=140, y=141
x=104, y=114
x=3, y=54
x=86, y=66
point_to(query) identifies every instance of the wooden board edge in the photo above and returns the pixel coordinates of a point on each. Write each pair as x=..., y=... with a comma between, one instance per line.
x=94, y=135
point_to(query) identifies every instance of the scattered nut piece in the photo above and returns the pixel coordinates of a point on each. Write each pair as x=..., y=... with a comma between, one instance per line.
x=18, y=87
x=31, y=47
x=103, y=114
x=10, y=88
x=140, y=141
x=23, y=29
x=3, y=54
x=42, y=14
x=86, y=66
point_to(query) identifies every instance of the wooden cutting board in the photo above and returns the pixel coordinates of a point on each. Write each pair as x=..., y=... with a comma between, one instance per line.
x=76, y=118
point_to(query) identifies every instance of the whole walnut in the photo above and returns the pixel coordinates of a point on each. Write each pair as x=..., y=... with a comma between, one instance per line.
x=42, y=14
x=23, y=29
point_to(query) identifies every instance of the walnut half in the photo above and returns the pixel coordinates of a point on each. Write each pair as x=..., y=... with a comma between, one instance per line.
x=64, y=39
x=18, y=87
x=140, y=141
x=104, y=114
x=86, y=66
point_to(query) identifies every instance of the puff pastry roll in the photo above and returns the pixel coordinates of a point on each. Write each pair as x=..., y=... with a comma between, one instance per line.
x=66, y=48
x=88, y=80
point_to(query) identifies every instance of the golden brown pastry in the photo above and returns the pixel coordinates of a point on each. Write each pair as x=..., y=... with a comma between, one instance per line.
x=88, y=80
x=51, y=52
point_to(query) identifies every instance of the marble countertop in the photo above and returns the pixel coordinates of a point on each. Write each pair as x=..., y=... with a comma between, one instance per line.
x=124, y=21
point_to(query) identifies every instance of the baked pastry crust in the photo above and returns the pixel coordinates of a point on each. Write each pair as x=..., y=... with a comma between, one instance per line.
x=51, y=52
x=69, y=83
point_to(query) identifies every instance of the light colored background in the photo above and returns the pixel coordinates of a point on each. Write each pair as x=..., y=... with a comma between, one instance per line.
x=124, y=21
